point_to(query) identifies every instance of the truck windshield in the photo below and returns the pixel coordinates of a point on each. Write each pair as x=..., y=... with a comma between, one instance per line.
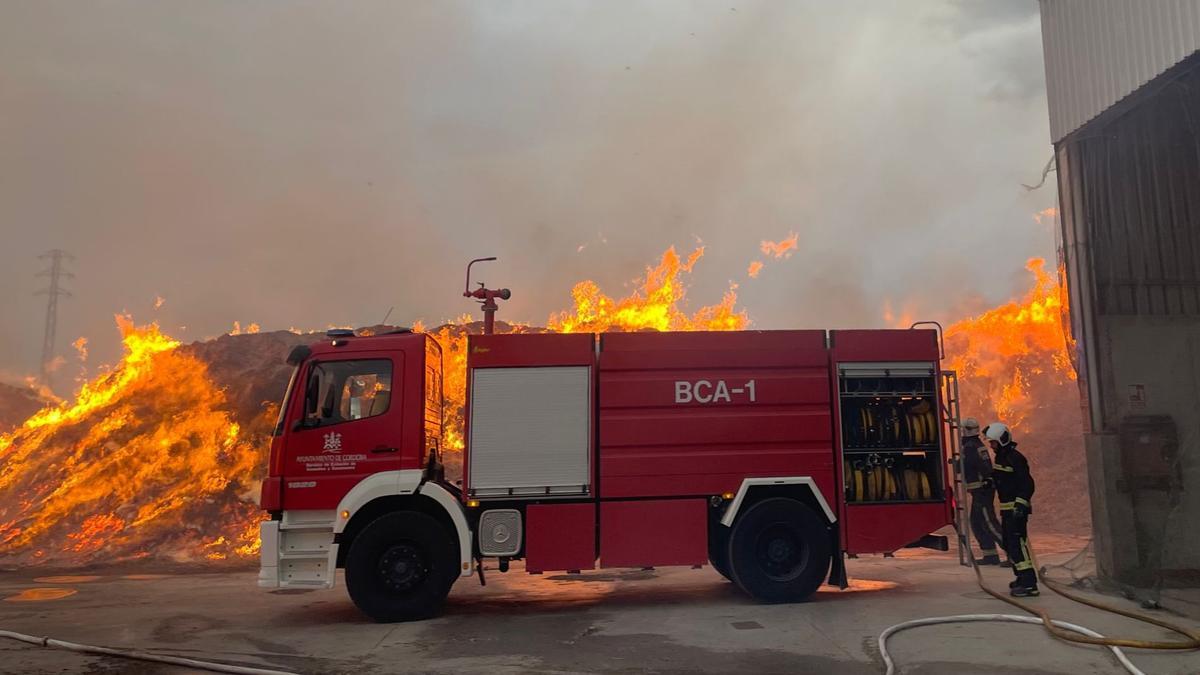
x=287, y=398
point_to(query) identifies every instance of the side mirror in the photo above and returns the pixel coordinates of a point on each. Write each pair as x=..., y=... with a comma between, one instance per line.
x=298, y=354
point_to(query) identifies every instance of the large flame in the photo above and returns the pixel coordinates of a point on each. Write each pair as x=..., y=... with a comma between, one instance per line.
x=1014, y=365
x=146, y=453
x=656, y=304
x=998, y=353
x=148, y=460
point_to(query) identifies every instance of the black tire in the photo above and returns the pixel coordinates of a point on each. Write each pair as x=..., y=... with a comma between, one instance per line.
x=401, y=566
x=779, y=551
x=718, y=550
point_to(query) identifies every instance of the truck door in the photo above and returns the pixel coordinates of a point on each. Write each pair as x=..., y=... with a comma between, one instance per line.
x=349, y=427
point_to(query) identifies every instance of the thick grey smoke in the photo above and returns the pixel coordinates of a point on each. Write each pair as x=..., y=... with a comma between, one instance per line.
x=311, y=163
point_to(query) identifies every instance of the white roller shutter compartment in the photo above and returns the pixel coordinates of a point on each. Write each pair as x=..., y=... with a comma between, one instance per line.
x=529, y=431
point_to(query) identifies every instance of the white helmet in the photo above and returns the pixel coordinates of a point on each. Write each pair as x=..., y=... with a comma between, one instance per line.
x=970, y=424
x=998, y=431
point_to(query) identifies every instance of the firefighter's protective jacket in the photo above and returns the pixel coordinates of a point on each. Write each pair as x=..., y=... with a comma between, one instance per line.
x=1014, y=483
x=977, y=463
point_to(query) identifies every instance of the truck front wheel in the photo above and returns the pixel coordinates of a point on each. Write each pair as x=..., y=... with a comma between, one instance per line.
x=779, y=551
x=401, y=566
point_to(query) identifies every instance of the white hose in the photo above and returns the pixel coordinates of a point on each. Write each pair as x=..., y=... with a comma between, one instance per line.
x=962, y=618
x=140, y=656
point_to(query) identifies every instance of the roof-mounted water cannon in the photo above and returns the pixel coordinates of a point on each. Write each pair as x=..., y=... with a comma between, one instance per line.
x=486, y=297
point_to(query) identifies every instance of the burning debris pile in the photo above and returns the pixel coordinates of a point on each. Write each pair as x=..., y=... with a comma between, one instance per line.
x=147, y=460
x=161, y=456
x=1013, y=364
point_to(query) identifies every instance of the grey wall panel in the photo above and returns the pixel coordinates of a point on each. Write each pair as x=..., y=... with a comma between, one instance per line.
x=1097, y=52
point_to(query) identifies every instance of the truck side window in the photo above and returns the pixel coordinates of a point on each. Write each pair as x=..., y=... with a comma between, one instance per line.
x=344, y=391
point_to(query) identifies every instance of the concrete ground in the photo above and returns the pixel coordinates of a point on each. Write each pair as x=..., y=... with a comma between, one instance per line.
x=606, y=621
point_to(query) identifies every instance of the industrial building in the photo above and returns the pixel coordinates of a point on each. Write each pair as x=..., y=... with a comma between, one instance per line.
x=1123, y=84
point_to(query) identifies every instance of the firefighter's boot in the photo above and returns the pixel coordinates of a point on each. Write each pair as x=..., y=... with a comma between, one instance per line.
x=1023, y=591
x=989, y=559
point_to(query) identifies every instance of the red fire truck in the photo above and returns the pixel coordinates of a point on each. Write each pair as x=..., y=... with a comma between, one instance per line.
x=770, y=455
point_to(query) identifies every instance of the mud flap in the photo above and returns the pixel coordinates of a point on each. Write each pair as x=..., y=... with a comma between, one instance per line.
x=934, y=542
x=837, y=568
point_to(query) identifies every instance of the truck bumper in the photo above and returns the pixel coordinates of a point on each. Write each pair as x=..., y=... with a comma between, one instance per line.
x=298, y=551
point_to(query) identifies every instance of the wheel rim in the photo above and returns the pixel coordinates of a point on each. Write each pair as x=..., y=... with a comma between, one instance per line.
x=780, y=552
x=403, y=567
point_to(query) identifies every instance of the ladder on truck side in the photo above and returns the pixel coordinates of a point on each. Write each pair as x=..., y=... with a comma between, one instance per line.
x=952, y=414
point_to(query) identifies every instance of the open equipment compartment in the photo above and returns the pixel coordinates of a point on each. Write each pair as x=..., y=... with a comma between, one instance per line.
x=891, y=444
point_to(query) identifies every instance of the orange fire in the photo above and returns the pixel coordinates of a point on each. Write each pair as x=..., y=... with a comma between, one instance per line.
x=147, y=452
x=656, y=304
x=999, y=352
x=453, y=339
x=148, y=455
x=1046, y=216
x=784, y=248
x=1014, y=365
x=148, y=460
x=902, y=318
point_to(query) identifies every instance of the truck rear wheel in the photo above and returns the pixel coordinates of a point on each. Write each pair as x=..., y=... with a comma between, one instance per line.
x=401, y=566
x=779, y=551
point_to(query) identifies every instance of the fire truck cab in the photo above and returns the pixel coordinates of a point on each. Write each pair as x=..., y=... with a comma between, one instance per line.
x=769, y=455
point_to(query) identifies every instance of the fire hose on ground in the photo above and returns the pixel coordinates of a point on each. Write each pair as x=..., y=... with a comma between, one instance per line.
x=140, y=656
x=1060, y=629
x=964, y=618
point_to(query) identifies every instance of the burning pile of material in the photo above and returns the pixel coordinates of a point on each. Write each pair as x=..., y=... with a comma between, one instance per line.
x=1014, y=364
x=161, y=456
x=147, y=460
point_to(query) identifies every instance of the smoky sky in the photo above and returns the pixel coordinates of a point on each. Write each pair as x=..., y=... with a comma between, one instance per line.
x=311, y=163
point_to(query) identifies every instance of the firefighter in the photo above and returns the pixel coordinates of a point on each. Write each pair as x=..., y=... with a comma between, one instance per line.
x=1015, y=485
x=977, y=472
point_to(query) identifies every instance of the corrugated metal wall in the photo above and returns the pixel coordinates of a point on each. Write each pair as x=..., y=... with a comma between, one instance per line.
x=1099, y=51
x=1131, y=219
x=1141, y=211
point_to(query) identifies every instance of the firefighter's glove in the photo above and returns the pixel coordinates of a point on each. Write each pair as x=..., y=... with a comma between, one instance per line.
x=987, y=484
x=1020, y=511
